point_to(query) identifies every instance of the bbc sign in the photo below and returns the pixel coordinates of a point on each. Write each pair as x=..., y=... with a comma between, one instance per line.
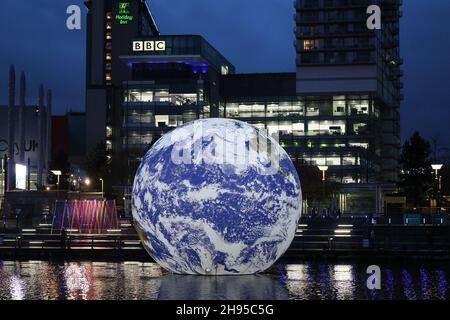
x=149, y=46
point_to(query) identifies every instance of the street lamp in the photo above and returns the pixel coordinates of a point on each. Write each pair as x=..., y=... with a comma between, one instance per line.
x=87, y=181
x=58, y=174
x=101, y=179
x=436, y=168
x=324, y=169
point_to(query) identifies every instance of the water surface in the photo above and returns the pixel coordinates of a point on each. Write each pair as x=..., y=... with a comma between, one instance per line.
x=137, y=280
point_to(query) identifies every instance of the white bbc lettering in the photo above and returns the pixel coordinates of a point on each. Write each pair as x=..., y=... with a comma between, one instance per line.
x=149, y=45
x=160, y=45
x=138, y=46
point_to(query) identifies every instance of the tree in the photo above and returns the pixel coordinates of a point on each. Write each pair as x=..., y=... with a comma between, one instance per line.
x=416, y=177
x=99, y=166
x=445, y=174
x=114, y=170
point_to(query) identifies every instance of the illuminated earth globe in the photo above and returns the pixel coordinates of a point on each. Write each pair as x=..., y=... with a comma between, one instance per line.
x=216, y=197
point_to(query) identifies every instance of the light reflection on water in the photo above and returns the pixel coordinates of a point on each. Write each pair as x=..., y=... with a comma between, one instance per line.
x=137, y=280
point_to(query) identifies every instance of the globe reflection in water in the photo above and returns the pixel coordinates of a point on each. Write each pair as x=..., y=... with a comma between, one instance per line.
x=250, y=287
x=216, y=196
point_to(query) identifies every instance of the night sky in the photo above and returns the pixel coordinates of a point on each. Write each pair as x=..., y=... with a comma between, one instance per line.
x=255, y=35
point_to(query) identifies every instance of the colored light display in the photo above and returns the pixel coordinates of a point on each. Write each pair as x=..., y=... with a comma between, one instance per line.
x=85, y=216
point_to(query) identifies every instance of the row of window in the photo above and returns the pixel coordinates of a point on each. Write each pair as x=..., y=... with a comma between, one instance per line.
x=151, y=120
x=163, y=96
x=333, y=15
x=336, y=107
x=332, y=43
x=313, y=128
x=145, y=138
x=332, y=28
x=337, y=57
x=332, y=3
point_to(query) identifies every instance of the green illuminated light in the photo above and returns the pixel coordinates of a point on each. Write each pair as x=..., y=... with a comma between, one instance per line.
x=123, y=16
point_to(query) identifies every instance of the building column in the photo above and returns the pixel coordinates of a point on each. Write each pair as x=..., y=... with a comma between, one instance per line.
x=11, y=129
x=48, y=138
x=41, y=146
x=22, y=119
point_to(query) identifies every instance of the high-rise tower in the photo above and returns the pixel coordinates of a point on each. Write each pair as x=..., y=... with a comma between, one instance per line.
x=349, y=79
x=111, y=24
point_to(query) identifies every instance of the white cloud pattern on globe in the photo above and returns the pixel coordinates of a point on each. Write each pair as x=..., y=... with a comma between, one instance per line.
x=216, y=197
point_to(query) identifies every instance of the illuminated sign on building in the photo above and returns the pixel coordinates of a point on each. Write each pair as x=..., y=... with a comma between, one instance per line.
x=124, y=15
x=149, y=46
x=21, y=177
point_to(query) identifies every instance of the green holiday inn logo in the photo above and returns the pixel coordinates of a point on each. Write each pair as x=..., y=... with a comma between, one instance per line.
x=123, y=16
x=124, y=7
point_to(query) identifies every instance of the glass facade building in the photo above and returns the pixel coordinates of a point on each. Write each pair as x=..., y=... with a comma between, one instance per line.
x=349, y=78
x=167, y=89
x=318, y=131
x=340, y=108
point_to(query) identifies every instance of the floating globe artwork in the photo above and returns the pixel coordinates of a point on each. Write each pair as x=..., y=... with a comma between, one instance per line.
x=216, y=197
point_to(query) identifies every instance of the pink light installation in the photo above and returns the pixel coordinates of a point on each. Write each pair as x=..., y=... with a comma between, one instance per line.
x=85, y=216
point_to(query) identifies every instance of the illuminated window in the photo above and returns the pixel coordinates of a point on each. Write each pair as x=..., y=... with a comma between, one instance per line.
x=349, y=161
x=258, y=110
x=108, y=145
x=358, y=107
x=312, y=111
x=272, y=110
x=359, y=145
x=108, y=36
x=232, y=110
x=339, y=106
x=108, y=132
x=245, y=111
x=109, y=15
x=108, y=56
x=311, y=44
x=326, y=128
x=108, y=26
x=298, y=128
x=359, y=128
x=162, y=120
x=108, y=77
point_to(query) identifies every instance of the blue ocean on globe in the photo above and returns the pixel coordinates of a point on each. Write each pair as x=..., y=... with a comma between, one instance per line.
x=216, y=197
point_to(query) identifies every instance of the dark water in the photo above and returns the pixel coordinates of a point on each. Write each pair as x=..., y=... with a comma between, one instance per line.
x=136, y=280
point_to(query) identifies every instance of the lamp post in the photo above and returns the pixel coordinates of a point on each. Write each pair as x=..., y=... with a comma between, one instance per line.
x=101, y=179
x=324, y=169
x=436, y=168
x=58, y=174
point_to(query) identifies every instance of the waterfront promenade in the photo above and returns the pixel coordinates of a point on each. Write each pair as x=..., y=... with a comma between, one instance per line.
x=343, y=238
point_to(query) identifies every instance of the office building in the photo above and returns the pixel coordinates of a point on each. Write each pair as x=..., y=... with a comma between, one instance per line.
x=340, y=108
x=349, y=82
